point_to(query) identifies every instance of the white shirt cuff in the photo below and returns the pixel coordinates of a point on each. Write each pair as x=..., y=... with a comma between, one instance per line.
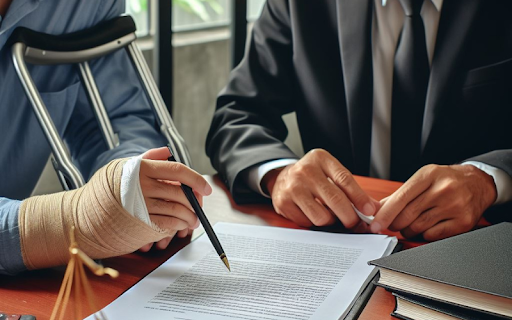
x=255, y=174
x=132, y=198
x=502, y=180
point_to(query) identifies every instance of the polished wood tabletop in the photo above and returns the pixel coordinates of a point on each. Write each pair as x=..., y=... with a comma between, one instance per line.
x=35, y=292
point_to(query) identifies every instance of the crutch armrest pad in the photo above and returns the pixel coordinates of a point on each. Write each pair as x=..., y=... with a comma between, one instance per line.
x=95, y=36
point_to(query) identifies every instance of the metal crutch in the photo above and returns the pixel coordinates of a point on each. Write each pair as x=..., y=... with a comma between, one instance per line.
x=77, y=48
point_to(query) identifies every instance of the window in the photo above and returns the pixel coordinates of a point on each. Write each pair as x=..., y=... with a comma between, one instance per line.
x=200, y=55
x=189, y=15
x=254, y=9
x=202, y=14
x=138, y=9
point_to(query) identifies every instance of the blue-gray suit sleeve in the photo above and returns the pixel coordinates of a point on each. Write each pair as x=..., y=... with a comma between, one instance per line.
x=126, y=103
x=11, y=261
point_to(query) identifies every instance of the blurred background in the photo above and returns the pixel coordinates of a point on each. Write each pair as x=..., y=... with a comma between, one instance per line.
x=201, y=41
x=208, y=40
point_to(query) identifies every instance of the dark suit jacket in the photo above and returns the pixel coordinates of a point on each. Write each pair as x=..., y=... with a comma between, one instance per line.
x=314, y=58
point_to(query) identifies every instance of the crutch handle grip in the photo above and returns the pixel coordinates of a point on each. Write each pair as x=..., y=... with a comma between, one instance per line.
x=96, y=36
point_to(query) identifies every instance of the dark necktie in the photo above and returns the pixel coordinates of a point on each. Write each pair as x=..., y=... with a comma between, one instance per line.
x=410, y=82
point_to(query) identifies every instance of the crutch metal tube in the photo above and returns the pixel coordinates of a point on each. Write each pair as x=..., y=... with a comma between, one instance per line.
x=68, y=174
x=80, y=57
x=97, y=105
x=165, y=121
x=78, y=47
x=66, y=166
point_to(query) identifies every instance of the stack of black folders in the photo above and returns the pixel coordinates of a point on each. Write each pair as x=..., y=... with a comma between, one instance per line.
x=468, y=276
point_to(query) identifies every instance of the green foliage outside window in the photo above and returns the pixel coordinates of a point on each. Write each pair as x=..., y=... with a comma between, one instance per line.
x=137, y=6
x=196, y=7
x=199, y=7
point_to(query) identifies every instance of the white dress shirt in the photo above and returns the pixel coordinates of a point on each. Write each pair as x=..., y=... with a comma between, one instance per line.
x=388, y=19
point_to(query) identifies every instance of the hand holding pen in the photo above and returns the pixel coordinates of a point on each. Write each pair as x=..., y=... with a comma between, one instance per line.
x=189, y=193
x=167, y=206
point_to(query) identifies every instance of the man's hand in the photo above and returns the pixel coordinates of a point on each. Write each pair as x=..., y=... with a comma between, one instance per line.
x=437, y=202
x=316, y=190
x=167, y=204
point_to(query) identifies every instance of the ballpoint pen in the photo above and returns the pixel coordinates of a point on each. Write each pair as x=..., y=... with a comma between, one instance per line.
x=189, y=193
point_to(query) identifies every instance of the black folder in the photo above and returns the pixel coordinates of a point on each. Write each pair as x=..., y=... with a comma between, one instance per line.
x=471, y=270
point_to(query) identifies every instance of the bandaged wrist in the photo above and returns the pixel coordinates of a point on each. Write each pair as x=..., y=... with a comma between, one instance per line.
x=103, y=227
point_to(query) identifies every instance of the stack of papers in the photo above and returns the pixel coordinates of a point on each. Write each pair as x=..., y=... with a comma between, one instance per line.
x=276, y=274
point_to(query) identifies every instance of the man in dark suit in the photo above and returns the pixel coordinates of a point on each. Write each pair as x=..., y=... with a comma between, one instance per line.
x=408, y=90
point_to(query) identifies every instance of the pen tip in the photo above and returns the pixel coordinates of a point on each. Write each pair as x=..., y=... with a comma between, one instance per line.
x=226, y=262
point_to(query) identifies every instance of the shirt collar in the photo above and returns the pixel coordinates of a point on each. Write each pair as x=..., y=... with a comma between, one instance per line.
x=17, y=11
x=437, y=3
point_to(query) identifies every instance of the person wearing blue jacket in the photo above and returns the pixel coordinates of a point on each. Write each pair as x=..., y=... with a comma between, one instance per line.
x=24, y=150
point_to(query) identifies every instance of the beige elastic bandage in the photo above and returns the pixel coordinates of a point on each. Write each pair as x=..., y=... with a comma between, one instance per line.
x=103, y=227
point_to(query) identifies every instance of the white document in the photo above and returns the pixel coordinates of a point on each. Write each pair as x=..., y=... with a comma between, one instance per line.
x=276, y=274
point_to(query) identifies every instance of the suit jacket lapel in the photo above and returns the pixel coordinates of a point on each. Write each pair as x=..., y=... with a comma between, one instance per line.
x=453, y=32
x=354, y=26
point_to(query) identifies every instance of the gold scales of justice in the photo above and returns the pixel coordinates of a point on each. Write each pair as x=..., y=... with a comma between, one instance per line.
x=75, y=275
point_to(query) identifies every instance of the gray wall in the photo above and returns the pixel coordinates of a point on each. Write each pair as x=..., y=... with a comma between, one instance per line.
x=201, y=70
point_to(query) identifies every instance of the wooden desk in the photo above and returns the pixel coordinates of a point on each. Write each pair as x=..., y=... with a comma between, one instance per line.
x=35, y=292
